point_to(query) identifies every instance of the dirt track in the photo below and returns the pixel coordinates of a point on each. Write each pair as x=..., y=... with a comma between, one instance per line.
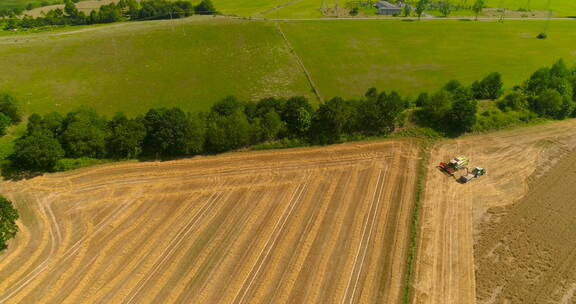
x=296, y=226
x=451, y=212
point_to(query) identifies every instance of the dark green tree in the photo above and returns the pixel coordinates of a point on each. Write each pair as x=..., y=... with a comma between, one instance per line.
x=227, y=132
x=36, y=152
x=171, y=132
x=268, y=127
x=488, y=88
x=445, y=8
x=70, y=9
x=333, y=119
x=433, y=112
x=125, y=136
x=9, y=106
x=297, y=114
x=8, y=217
x=5, y=122
x=84, y=134
x=477, y=8
x=548, y=104
x=206, y=7
x=421, y=6
x=515, y=101
x=462, y=117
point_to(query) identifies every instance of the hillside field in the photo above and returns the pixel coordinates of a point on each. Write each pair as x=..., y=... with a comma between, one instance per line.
x=131, y=67
x=315, y=225
x=346, y=57
x=194, y=62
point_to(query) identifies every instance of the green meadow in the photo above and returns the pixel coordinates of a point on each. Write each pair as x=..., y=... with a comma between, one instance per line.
x=192, y=63
x=20, y=3
x=131, y=67
x=559, y=7
x=346, y=57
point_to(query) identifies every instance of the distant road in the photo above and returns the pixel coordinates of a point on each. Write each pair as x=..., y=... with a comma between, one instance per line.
x=408, y=18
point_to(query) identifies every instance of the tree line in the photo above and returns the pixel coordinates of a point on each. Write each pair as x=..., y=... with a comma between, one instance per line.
x=114, y=12
x=232, y=124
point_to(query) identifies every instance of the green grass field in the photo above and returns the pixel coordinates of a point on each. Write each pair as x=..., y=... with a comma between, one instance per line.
x=23, y=3
x=131, y=67
x=559, y=7
x=347, y=57
x=194, y=62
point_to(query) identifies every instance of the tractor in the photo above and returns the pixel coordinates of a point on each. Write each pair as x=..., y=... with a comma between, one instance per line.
x=454, y=165
x=475, y=173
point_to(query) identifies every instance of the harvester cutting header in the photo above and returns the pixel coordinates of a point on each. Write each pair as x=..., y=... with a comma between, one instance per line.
x=461, y=162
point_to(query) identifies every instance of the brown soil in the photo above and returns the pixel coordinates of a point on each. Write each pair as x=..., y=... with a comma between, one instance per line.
x=526, y=252
x=316, y=225
x=451, y=212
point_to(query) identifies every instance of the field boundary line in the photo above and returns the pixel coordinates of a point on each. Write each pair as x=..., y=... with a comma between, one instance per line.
x=274, y=238
x=415, y=223
x=300, y=63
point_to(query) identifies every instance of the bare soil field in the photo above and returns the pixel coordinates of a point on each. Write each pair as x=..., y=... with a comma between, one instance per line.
x=452, y=214
x=315, y=225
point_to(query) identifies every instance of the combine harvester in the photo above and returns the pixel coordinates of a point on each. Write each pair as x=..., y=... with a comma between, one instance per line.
x=454, y=165
x=458, y=163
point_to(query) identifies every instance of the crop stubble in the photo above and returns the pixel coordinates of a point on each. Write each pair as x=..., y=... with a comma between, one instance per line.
x=451, y=213
x=302, y=226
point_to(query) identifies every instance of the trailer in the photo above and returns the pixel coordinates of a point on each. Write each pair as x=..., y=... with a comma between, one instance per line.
x=475, y=173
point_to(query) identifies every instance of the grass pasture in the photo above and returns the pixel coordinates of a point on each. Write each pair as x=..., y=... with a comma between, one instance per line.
x=194, y=62
x=131, y=67
x=20, y=3
x=559, y=7
x=347, y=57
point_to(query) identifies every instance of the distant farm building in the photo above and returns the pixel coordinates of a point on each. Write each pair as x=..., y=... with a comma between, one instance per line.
x=387, y=8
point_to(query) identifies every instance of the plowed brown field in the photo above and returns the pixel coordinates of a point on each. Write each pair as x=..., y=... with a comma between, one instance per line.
x=317, y=225
x=452, y=213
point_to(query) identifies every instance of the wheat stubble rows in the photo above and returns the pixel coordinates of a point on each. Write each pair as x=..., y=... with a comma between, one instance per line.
x=321, y=225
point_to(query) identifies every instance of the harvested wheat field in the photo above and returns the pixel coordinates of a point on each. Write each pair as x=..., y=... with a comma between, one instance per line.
x=454, y=218
x=316, y=225
x=526, y=252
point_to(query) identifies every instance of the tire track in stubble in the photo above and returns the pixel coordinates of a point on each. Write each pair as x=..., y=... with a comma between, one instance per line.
x=144, y=252
x=170, y=249
x=212, y=258
x=364, y=248
x=293, y=277
x=95, y=264
x=268, y=247
x=246, y=246
x=67, y=254
x=72, y=250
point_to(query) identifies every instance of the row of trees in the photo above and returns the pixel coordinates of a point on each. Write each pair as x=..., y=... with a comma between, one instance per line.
x=232, y=124
x=549, y=92
x=445, y=7
x=8, y=217
x=229, y=125
x=113, y=12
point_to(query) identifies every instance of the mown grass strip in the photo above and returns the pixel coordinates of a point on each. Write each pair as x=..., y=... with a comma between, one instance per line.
x=415, y=221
